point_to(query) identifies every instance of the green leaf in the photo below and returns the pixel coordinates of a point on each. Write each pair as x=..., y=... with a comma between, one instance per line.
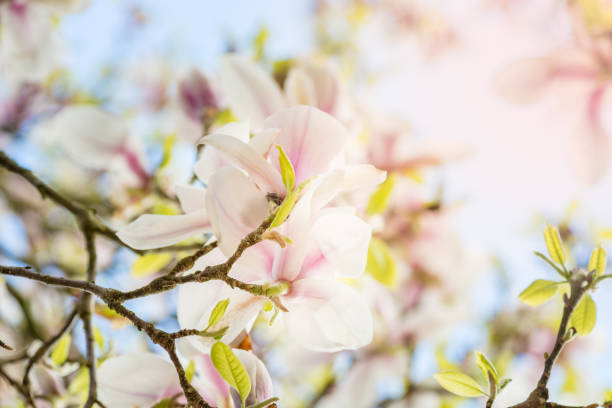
x=149, y=264
x=379, y=201
x=486, y=366
x=217, y=313
x=190, y=371
x=168, y=144
x=551, y=264
x=165, y=403
x=98, y=338
x=380, y=263
x=553, y=244
x=59, y=354
x=231, y=369
x=504, y=383
x=284, y=209
x=598, y=260
x=224, y=117
x=584, y=316
x=459, y=384
x=259, y=42
x=287, y=171
x=540, y=291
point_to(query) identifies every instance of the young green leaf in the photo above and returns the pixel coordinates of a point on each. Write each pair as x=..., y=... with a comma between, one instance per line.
x=380, y=263
x=286, y=168
x=554, y=245
x=540, y=291
x=584, y=316
x=217, y=313
x=284, y=209
x=149, y=264
x=231, y=369
x=597, y=262
x=59, y=354
x=504, y=383
x=486, y=366
x=379, y=201
x=190, y=371
x=459, y=384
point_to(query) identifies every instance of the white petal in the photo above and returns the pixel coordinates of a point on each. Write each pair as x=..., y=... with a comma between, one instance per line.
x=191, y=198
x=299, y=88
x=157, y=231
x=261, y=382
x=244, y=156
x=345, y=179
x=263, y=141
x=251, y=93
x=325, y=315
x=524, y=81
x=135, y=380
x=236, y=207
x=344, y=239
x=311, y=138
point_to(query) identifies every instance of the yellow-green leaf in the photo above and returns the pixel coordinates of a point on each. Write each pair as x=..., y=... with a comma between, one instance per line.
x=286, y=168
x=540, y=291
x=381, y=264
x=190, y=371
x=259, y=42
x=98, y=338
x=584, y=316
x=168, y=144
x=224, y=117
x=231, y=369
x=598, y=260
x=217, y=312
x=554, y=245
x=486, y=366
x=459, y=384
x=149, y=264
x=59, y=354
x=284, y=209
x=380, y=199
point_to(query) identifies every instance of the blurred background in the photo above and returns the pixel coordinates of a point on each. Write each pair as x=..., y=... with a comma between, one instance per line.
x=488, y=99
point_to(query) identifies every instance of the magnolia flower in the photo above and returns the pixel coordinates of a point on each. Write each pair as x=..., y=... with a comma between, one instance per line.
x=196, y=95
x=252, y=94
x=327, y=243
x=313, y=142
x=94, y=139
x=582, y=75
x=144, y=379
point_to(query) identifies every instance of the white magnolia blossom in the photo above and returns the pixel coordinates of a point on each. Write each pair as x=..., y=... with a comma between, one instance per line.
x=144, y=379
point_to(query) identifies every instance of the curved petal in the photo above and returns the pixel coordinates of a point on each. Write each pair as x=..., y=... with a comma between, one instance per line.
x=261, y=382
x=157, y=231
x=245, y=157
x=262, y=141
x=236, y=207
x=325, y=315
x=311, y=138
x=320, y=87
x=345, y=179
x=299, y=88
x=197, y=300
x=343, y=239
x=249, y=91
x=136, y=380
x=191, y=198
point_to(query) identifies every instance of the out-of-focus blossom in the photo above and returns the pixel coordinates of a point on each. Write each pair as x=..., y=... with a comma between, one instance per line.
x=94, y=138
x=253, y=94
x=196, y=95
x=139, y=380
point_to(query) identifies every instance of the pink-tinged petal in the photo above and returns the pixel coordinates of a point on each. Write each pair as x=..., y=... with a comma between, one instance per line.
x=590, y=145
x=343, y=239
x=197, y=300
x=256, y=263
x=262, y=142
x=262, y=387
x=196, y=95
x=311, y=138
x=524, y=81
x=299, y=88
x=236, y=207
x=250, y=92
x=91, y=136
x=210, y=384
x=191, y=198
x=325, y=315
x=244, y=156
x=348, y=178
x=324, y=82
x=135, y=380
x=157, y=231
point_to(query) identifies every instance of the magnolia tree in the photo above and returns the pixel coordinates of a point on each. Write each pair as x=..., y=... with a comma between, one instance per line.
x=259, y=235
